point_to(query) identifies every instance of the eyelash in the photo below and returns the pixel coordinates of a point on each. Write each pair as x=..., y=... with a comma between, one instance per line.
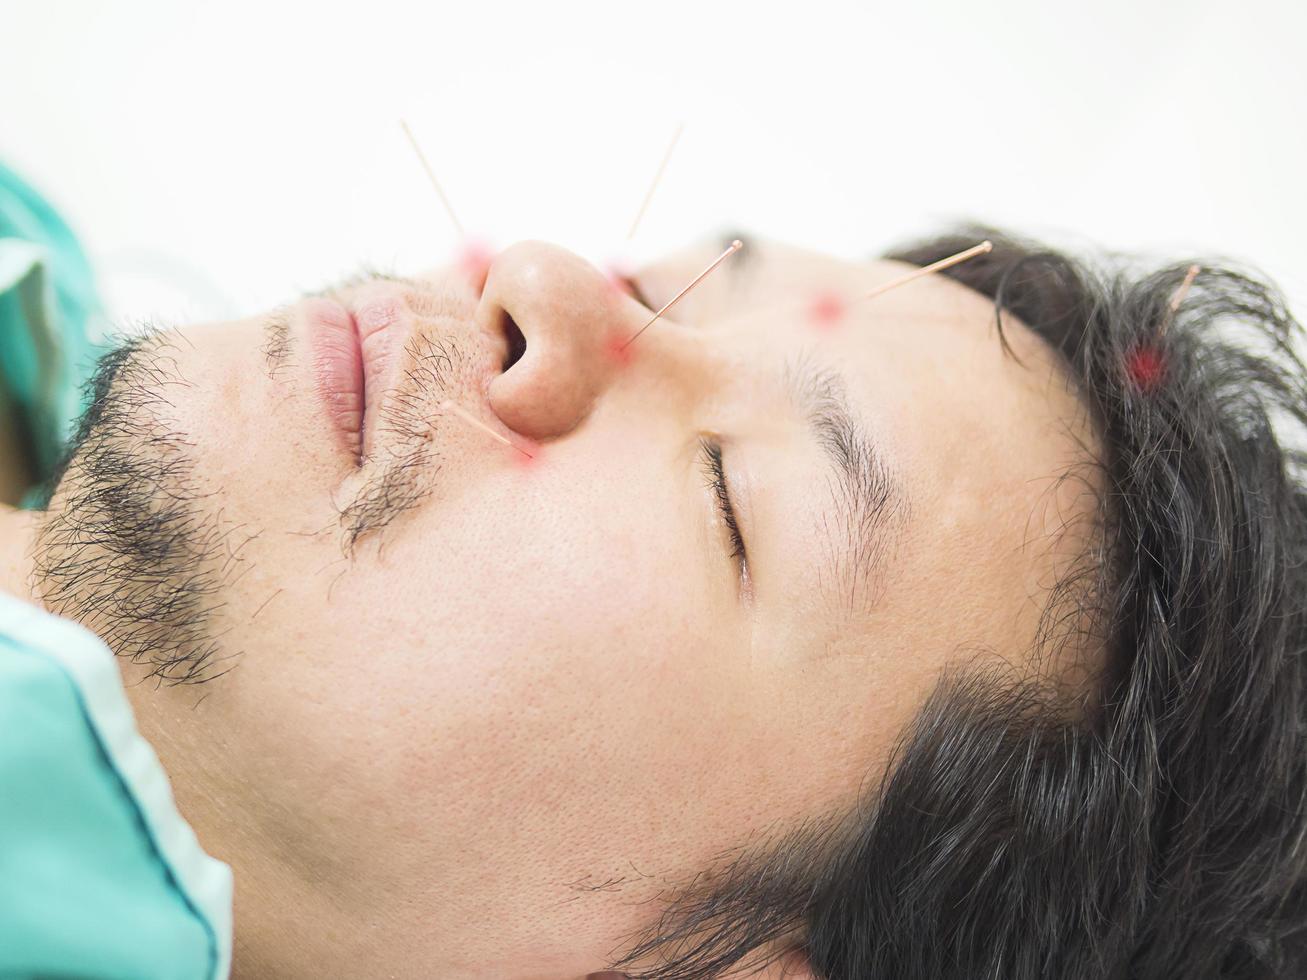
x=716, y=473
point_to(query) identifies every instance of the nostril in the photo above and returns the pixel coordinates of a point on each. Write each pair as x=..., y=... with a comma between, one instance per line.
x=516, y=342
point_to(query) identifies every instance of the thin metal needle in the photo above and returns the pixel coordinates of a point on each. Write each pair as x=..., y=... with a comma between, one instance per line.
x=926, y=270
x=734, y=247
x=1177, y=297
x=1183, y=289
x=451, y=406
x=657, y=177
x=422, y=157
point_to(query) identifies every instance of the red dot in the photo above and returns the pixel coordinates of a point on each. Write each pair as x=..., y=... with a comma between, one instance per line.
x=474, y=262
x=619, y=350
x=1145, y=366
x=826, y=310
x=526, y=453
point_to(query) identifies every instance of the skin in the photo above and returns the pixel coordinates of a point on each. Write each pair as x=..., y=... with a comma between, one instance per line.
x=546, y=675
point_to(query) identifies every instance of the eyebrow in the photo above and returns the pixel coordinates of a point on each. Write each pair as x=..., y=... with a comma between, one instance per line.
x=867, y=499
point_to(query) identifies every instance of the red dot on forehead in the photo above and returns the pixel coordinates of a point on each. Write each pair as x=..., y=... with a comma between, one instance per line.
x=826, y=309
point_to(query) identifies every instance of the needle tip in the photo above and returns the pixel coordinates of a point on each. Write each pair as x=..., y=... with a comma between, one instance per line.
x=736, y=245
x=986, y=246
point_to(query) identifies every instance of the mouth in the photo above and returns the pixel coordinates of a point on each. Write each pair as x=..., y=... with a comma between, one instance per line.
x=352, y=353
x=361, y=345
x=337, y=367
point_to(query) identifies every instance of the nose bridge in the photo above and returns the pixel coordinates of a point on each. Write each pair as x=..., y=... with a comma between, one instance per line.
x=570, y=319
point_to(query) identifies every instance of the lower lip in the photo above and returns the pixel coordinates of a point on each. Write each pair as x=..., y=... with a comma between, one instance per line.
x=337, y=356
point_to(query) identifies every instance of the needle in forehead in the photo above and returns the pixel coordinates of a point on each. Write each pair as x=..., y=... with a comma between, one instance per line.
x=654, y=186
x=925, y=270
x=456, y=409
x=422, y=158
x=734, y=247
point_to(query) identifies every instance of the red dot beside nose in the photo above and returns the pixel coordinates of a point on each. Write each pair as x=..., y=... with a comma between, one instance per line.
x=619, y=350
x=526, y=453
x=474, y=261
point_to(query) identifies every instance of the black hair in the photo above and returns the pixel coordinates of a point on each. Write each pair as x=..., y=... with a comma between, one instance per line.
x=127, y=553
x=1158, y=828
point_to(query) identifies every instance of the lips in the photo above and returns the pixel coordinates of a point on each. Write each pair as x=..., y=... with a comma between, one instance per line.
x=351, y=361
x=337, y=363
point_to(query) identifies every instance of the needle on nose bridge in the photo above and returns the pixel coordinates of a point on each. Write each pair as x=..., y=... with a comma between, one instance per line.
x=734, y=247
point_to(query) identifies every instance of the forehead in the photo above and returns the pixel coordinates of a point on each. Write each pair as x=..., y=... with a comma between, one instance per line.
x=922, y=363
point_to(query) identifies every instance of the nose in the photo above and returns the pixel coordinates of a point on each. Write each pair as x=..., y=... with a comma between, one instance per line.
x=564, y=322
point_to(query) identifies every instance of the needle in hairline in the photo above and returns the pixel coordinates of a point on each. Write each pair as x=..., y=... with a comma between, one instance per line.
x=1178, y=296
x=925, y=270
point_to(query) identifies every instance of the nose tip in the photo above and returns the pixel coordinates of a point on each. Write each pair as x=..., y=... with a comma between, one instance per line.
x=560, y=314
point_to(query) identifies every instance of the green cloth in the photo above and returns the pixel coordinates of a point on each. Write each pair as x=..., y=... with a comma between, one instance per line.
x=51, y=323
x=100, y=877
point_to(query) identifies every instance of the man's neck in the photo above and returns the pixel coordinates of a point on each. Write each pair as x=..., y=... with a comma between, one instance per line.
x=17, y=535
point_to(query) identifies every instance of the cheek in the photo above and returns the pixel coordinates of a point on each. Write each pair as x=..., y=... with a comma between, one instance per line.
x=535, y=594
x=260, y=447
x=523, y=648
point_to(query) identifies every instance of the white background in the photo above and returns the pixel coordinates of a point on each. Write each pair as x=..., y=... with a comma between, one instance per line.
x=218, y=158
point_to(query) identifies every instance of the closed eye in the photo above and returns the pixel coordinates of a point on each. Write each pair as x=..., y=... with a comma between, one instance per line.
x=711, y=456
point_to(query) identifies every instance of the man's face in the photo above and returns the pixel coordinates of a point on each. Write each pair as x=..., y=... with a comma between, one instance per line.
x=485, y=711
